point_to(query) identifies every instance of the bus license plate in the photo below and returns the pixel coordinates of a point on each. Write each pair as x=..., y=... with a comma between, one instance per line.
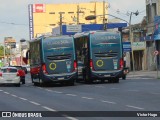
x=62, y=78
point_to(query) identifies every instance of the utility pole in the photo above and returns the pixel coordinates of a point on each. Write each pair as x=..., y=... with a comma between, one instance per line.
x=104, y=22
x=131, y=37
x=77, y=14
x=95, y=13
x=60, y=23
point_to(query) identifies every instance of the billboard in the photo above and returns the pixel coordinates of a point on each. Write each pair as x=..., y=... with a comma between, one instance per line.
x=39, y=8
x=31, y=29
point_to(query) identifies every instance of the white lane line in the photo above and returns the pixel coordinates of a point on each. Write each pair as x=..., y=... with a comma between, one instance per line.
x=70, y=118
x=35, y=103
x=57, y=92
x=22, y=98
x=99, y=86
x=114, y=88
x=155, y=93
x=39, y=87
x=88, y=98
x=14, y=95
x=108, y=102
x=134, y=107
x=47, y=108
x=48, y=90
x=71, y=95
x=133, y=90
x=6, y=92
x=1, y=90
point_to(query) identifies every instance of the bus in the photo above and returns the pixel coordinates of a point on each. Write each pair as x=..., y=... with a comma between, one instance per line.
x=52, y=59
x=102, y=55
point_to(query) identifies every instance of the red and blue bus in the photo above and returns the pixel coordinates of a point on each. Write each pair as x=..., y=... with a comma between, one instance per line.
x=53, y=59
x=102, y=55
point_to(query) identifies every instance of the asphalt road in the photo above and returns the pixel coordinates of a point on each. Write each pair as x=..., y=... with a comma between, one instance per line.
x=134, y=94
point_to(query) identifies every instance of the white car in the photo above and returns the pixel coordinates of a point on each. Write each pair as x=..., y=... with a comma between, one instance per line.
x=9, y=75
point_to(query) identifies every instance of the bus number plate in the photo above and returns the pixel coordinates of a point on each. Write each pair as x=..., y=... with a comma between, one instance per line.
x=62, y=78
x=106, y=75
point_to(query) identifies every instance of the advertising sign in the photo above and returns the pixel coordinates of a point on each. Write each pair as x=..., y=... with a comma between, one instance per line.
x=126, y=46
x=31, y=33
x=157, y=28
x=74, y=28
x=39, y=8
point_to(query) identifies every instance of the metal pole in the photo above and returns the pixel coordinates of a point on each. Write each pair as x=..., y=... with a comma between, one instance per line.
x=131, y=40
x=60, y=23
x=104, y=15
x=77, y=14
x=4, y=54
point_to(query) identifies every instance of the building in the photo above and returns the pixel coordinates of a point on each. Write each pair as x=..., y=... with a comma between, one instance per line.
x=44, y=17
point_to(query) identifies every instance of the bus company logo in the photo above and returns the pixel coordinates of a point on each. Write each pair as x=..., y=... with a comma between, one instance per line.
x=6, y=114
x=39, y=8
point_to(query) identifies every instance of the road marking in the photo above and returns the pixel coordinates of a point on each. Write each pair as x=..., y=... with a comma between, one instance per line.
x=108, y=102
x=135, y=107
x=57, y=92
x=133, y=90
x=39, y=87
x=6, y=92
x=34, y=103
x=70, y=118
x=71, y=94
x=48, y=90
x=87, y=98
x=155, y=93
x=22, y=98
x=50, y=109
x=1, y=90
x=14, y=95
x=99, y=86
x=114, y=88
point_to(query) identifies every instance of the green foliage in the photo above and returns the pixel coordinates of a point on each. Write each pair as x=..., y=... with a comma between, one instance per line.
x=1, y=50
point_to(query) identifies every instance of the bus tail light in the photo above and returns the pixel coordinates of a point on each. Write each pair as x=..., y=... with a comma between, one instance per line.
x=0, y=74
x=44, y=69
x=75, y=65
x=121, y=63
x=91, y=65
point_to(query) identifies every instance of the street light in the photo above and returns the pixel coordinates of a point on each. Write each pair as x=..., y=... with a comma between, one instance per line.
x=92, y=17
x=22, y=40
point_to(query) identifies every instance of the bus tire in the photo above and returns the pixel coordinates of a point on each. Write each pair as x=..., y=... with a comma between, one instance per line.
x=116, y=80
x=71, y=82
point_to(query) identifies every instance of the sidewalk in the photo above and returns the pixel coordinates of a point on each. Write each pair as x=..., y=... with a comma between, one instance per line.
x=152, y=74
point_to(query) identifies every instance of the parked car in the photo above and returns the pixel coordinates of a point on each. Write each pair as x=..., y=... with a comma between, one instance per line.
x=10, y=75
x=80, y=69
x=22, y=73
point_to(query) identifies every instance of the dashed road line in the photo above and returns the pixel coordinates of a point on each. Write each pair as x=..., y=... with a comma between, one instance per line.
x=155, y=93
x=108, y=102
x=71, y=94
x=49, y=90
x=47, y=108
x=14, y=95
x=35, y=103
x=1, y=90
x=133, y=90
x=88, y=98
x=135, y=107
x=22, y=98
x=57, y=92
x=114, y=88
x=70, y=118
x=6, y=92
x=99, y=86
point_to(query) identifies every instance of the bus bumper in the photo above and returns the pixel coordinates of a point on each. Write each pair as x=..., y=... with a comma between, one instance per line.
x=60, y=77
x=103, y=75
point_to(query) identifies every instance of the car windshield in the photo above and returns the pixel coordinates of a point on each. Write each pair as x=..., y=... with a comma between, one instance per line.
x=9, y=70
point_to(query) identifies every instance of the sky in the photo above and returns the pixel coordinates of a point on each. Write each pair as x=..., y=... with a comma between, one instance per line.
x=14, y=21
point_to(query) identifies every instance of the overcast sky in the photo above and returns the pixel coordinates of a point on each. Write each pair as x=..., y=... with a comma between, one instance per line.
x=14, y=14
